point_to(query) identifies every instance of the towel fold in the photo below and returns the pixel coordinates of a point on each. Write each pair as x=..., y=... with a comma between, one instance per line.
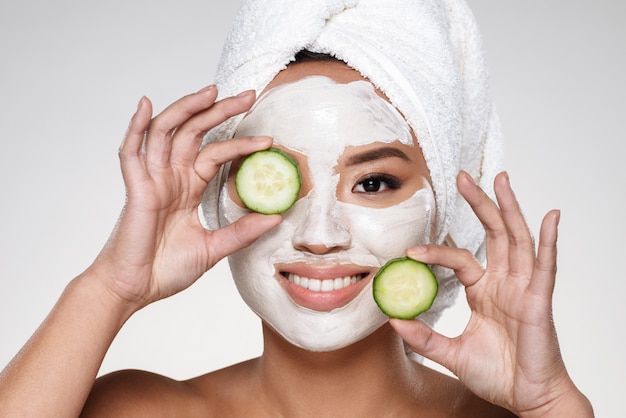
x=426, y=56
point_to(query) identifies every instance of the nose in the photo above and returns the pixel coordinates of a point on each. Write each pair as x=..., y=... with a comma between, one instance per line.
x=321, y=231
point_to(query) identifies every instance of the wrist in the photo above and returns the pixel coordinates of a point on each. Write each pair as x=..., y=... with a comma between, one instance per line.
x=570, y=403
x=94, y=287
x=126, y=282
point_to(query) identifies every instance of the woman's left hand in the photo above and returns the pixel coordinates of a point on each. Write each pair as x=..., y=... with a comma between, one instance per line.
x=508, y=354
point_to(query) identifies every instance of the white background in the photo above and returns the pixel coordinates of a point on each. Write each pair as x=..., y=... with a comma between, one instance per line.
x=71, y=73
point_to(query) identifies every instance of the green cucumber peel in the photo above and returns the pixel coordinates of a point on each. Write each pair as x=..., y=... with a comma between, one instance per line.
x=404, y=288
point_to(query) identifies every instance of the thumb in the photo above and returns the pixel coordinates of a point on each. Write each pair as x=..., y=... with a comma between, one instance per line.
x=425, y=341
x=241, y=233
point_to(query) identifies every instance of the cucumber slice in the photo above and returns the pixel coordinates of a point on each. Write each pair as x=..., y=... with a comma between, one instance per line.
x=268, y=181
x=404, y=288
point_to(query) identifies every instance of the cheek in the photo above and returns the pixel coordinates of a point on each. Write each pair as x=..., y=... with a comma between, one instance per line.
x=388, y=232
x=229, y=210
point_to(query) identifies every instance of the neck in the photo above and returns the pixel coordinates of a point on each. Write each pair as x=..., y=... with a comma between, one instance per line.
x=295, y=379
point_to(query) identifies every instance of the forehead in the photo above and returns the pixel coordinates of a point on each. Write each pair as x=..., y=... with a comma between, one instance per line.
x=324, y=106
x=335, y=70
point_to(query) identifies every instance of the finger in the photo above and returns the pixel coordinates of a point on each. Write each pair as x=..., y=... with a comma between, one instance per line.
x=217, y=153
x=544, y=274
x=491, y=219
x=162, y=127
x=425, y=341
x=466, y=268
x=240, y=233
x=521, y=246
x=130, y=152
x=189, y=135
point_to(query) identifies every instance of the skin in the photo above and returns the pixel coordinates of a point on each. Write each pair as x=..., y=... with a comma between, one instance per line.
x=507, y=356
x=364, y=201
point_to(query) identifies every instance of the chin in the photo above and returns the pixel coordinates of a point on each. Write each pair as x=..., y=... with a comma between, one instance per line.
x=326, y=331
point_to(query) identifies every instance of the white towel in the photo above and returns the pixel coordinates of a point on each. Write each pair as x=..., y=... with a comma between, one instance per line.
x=425, y=55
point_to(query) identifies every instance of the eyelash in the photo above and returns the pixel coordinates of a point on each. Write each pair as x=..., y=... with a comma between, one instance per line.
x=389, y=182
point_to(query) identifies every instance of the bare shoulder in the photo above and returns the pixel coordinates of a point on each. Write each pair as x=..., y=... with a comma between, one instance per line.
x=461, y=402
x=135, y=393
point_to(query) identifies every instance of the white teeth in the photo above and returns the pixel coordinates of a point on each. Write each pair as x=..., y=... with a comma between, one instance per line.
x=315, y=285
x=323, y=285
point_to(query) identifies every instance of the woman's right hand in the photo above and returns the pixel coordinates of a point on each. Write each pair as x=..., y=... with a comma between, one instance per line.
x=159, y=246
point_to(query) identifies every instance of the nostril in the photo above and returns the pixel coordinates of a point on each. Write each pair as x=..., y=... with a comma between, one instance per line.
x=321, y=238
x=319, y=249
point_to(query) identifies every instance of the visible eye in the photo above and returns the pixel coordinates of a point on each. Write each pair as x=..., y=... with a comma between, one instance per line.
x=376, y=183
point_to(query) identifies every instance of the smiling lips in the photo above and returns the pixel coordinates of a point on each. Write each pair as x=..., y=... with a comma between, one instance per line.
x=322, y=288
x=327, y=285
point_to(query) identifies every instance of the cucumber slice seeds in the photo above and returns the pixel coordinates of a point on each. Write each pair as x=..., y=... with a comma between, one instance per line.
x=404, y=288
x=268, y=181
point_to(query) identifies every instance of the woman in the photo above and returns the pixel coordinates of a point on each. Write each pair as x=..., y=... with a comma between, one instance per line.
x=325, y=353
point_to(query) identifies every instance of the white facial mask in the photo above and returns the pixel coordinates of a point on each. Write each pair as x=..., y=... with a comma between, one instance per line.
x=319, y=118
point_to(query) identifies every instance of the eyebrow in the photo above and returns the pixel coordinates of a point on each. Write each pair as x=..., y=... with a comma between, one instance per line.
x=377, y=154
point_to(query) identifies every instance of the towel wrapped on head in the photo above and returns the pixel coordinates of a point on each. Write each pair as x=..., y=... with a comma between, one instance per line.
x=426, y=56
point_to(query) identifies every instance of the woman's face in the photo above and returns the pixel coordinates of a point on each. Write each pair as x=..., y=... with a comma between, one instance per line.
x=365, y=198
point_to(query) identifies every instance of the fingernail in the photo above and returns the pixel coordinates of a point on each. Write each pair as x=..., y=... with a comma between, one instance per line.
x=467, y=176
x=506, y=176
x=420, y=249
x=261, y=138
x=245, y=93
x=141, y=102
x=207, y=88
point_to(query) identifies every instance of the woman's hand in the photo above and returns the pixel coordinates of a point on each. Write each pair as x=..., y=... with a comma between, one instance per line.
x=508, y=354
x=159, y=247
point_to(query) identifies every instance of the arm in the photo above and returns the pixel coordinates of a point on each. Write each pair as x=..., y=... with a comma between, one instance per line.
x=509, y=353
x=157, y=249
